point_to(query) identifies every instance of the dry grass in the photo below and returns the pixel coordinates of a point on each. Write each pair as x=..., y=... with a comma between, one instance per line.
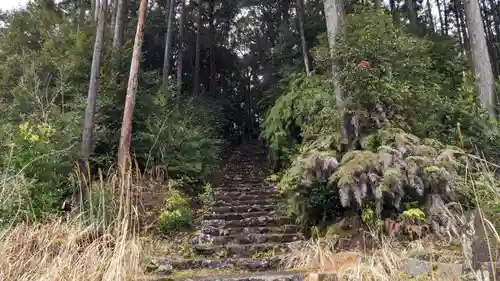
x=60, y=251
x=388, y=261
x=74, y=249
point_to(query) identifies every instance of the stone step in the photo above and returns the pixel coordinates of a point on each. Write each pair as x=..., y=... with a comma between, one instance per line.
x=218, y=270
x=246, y=166
x=244, y=197
x=253, y=238
x=244, y=187
x=240, y=179
x=287, y=228
x=244, y=172
x=237, y=216
x=243, y=209
x=245, y=169
x=243, y=183
x=257, y=202
x=248, y=222
x=244, y=250
x=241, y=192
x=246, y=264
x=267, y=276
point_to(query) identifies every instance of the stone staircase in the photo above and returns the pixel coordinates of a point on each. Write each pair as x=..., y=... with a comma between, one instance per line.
x=244, y=232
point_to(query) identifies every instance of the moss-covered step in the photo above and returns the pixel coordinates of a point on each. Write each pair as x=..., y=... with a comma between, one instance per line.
x=238, y=216
x=252, y=238
x=238, y=202
x=237, y=194
x=244, y=197
x=243, y=209
x=286, y=228
x=240, y=264
x=245, y=187
x=243, y=250
x=251, y=221
x=210, y=275
x=240, y=179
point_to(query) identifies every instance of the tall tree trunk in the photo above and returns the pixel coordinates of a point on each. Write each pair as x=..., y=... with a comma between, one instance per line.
x=394, y=12
x=412, y=15
x=458, y=24
x=334, y=14
x=431, y=17
x=495, y=12
x=113, y=8
x=118, y=37
x=93, y=4
x=305, y=52
x=88, y=126
x=441, y=22
x=180, y=56
x=97, y=4
x=168, y=41
x=489, y=34
x=196, y=80
x=463, y=25
x=126, y=131
x=80, y=193
x=495, y=8
x=81, y=15
x=285, y=11
x=480, y=57
x=213, y=78
x=446, y=18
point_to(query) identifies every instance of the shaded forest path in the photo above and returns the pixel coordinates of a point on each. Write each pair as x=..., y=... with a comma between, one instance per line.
x=244, y=231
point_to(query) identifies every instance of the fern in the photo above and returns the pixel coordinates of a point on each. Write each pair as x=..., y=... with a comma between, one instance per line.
x=400, y=169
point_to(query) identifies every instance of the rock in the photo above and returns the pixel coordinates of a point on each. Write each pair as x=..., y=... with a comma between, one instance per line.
x=201, y=239
x=214, y=223
x=208, y=229
x=419, y=267
x=492, y=269
x=324, y=276
x=161, y=267
x=481, y=251
x=165, y=269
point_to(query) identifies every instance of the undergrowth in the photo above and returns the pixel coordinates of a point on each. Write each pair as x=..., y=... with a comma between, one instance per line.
x=411, y=122
x=94, y=245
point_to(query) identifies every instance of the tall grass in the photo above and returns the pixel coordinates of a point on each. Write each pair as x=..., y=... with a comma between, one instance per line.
x=97, y=244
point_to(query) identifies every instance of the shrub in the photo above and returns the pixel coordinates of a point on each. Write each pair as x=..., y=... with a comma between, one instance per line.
x=171, y=221
x=182, y=135
x=398, y=154
x=177, y=214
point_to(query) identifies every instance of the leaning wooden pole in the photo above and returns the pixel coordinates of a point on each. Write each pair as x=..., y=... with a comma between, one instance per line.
x=126, y=131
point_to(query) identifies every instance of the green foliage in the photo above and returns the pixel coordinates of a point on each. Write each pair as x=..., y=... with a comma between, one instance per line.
x=404, y=100
x=413, y=215
x=386, y=73
x=42, y=87
x=171, y=221
x=304, y=100
x=183, y=135
x=265, y=254
x=207, y=197
x=44, y=64
x=370, y=218
x=175, y=200
x=177, y=213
